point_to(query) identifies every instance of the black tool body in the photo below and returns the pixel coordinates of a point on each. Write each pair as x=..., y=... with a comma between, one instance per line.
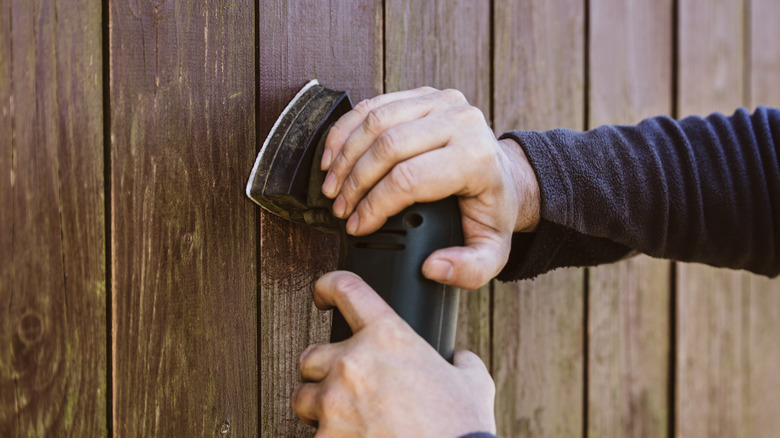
x=286, y=180
x=390, y=261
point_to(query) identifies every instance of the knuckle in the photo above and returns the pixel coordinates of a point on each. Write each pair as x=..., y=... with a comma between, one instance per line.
x=403, y=177
x=348, y=284
x=386, y=147
x=427, y=89
x=363, y=107
x=351, y=184
x=375, y=120
x=453, y=95
x=393, y=336
x=367, y=207
x=302, y=360
x=471, y=115
x=350, y=366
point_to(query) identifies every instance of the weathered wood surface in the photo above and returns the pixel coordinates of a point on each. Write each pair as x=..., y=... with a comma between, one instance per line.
x=341, y=45
x=445, y=44
x=764, y=306
x=183, y=235
x=713, y=371
x=538, y=326
x=195, y=86
x=630, y=78
x=52, y=248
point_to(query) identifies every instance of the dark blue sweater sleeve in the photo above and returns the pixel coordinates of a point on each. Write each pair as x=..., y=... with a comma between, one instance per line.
x=697, y=190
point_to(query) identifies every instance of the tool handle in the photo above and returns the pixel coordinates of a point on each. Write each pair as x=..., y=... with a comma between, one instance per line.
x=390, y=261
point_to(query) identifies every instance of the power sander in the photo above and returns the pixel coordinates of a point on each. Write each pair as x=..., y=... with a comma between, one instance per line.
x=286, y=180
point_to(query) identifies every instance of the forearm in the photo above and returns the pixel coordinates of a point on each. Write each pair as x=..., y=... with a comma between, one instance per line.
x=702, y=190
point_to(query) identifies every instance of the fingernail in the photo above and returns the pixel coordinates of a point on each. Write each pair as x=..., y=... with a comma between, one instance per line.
x=439, y=270
x=329, y=186
x=326, y=156
x=352, y=223
x=339, y=207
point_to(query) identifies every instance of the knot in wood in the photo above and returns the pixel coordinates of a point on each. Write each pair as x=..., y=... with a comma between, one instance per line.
x=30, y=328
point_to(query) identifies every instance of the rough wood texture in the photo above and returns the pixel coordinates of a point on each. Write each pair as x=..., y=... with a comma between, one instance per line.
x=764, y=313
x=713, y=305
x=710, y=74
x=629, y=321
x=183, y=233
x=628, y=363
x=538, y=326
x=764, y=53
x=341, y=45
x=445, y=44
x=52, y=267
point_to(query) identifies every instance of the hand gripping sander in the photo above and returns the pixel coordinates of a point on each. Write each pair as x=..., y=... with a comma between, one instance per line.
x=286, y=180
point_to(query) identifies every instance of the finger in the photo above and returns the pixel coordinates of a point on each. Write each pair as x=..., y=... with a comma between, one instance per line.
x=351, y=120
x=304, y=403
x=393, y=146
x=355, y=299
x=316, y=360
x=473, y=366
x=376, y=128
x=468, y=361
x=470, y=266
x=421, y=179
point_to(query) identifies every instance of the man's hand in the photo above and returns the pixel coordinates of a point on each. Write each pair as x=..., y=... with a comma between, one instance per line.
x=421, y=146
x=386, y=380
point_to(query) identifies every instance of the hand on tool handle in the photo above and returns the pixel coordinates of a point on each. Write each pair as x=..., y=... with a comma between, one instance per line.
x=424, y=145
x=386, y=380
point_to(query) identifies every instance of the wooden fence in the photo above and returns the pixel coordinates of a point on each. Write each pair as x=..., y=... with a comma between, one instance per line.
x=142, y=294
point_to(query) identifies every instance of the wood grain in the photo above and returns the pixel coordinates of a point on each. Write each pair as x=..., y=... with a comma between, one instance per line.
x=183, y=233
x=713, y=305
x=764, y=53
x=764, y=317
x=445, y=44
x=629, y=350
x=341, y=45
x=538, y=326
x=52, y=267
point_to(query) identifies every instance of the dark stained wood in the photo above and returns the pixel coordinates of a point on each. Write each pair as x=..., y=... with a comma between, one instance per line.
x=538, y=325
x=629, y=322
x=341, y=45
x=183, y=233
x=713, y=315
x=52, y=259
x=445, y=44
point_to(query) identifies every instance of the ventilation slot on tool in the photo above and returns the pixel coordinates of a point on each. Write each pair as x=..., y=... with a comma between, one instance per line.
x=381, y=246
x=389, y=232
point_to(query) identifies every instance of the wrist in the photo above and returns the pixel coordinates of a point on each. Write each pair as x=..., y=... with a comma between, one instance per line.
x=523, y=180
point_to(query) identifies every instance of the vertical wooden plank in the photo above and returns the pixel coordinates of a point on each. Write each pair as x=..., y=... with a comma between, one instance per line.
x=764, y=317
x=629, y=323
x=339, y=44
x=183, y=233
x=764, y=53
x=52, y=267
x=445, y=44
x=713, y=305
x=538, y=325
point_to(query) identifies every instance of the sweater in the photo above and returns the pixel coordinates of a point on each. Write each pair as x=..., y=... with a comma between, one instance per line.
x=701, y=190
x=696, y=190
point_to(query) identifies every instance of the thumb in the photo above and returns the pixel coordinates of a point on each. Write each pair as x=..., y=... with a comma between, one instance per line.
x=467, y=267
x=468, y=361
x=473, y=366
